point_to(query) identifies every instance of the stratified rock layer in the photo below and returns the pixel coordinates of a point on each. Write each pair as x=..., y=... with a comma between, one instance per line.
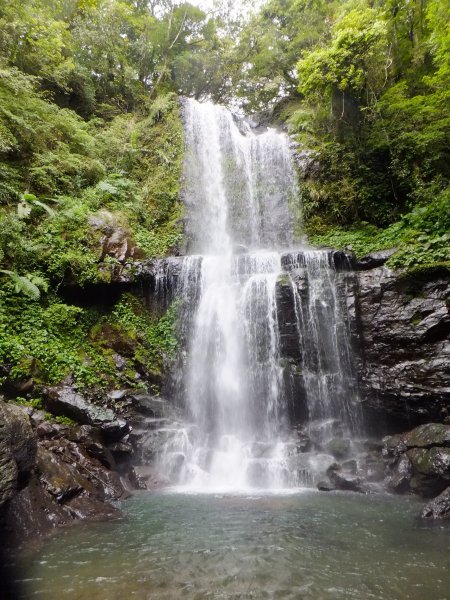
x=404, y=330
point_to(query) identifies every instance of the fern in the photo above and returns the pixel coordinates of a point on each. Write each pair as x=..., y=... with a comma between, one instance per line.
x=28, y=201
x=28, y=285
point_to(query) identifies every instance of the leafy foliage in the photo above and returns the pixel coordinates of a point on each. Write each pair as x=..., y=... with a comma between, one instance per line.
x=52, y=340
x=421, y=237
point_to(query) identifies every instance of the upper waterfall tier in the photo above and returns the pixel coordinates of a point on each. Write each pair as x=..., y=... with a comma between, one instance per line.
x=237, y=184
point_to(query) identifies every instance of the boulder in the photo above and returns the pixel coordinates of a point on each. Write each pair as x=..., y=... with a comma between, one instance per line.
x=346, y=481
x=148, y=405
x=439, y=507
x=325, y=486
x=419, y=460
x=399, y=478
x=17, y=450
x=428, y=436
x=63, y=400
x=338, y=447
x=115, y=240
x=374, y=259
x=431, y=470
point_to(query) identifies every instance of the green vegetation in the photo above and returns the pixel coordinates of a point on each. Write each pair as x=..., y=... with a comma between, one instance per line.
x=52, y=340
x=91, y=146
x=365, y=88
x=421, y=237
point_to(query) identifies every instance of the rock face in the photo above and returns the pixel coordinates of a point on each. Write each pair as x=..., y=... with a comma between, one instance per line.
x=63, y=400
x=52, y=474
x=419, y=461
x=17, y=450
x=404, y=330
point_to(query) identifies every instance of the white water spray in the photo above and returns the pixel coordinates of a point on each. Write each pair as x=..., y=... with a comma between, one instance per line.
x=237, y=188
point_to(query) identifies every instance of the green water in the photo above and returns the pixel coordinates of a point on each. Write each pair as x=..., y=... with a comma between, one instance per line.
x=305, y=545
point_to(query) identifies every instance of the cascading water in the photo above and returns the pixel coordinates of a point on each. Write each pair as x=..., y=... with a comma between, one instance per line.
x=237, y=188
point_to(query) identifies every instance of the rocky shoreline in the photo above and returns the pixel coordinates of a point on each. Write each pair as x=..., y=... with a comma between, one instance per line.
x=55, y=473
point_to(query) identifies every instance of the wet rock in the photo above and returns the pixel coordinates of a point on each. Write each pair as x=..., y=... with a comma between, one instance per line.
x=84, y=507
x=404, y=327
x=17, y=450
x=148, y=405
x=346, y=481
x=393, y=447
x=439, y=507
x=338, y=447
x=146, y=478
x=59, y=478
x=63, y=400
x=427, y=436
x=48, y=429
x=373, y=260
x=399, y=478
x=326, y=486
x=121, y=451
x=90, y=438
x=32, y=513
x=431, y=470
x=419, y=460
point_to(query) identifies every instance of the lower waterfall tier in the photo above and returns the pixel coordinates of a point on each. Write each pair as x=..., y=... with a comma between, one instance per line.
x=250, y=369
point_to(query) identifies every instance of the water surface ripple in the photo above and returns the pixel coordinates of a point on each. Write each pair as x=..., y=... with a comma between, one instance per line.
x=295, y=546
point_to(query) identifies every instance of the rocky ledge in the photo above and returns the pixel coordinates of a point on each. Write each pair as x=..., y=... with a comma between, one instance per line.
x=57, y=471
x=419, y=462
x=404, y=327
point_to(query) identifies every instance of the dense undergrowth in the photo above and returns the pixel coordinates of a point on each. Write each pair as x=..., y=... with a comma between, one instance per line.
x=90, y=164
x=70, y=175
x=95, y=347
x=421, y=237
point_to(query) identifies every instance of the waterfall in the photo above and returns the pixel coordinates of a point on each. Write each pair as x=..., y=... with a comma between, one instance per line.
x=238, y=184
